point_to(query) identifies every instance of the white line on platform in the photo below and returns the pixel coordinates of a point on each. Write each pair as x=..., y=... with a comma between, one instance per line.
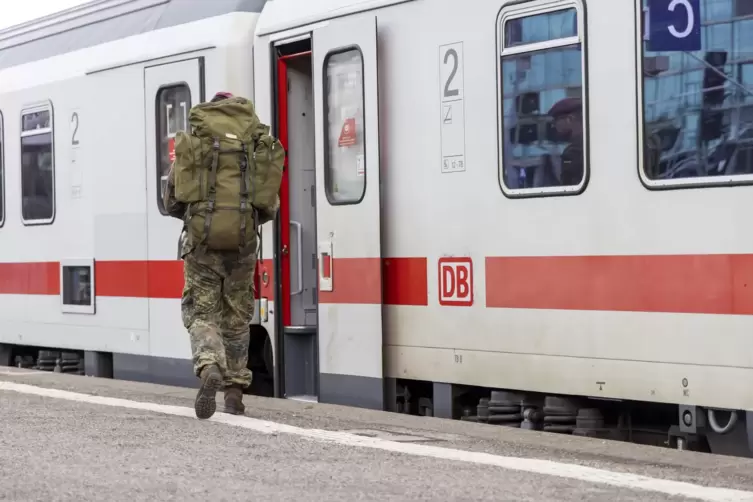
x=27, y=372
x=536, y=466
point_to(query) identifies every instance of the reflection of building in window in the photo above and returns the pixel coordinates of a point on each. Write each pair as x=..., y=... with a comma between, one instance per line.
x=173, y=105
x=542, y=102
x=345, y=178
x=698, y=107
x=2, y=171
x=37, y=177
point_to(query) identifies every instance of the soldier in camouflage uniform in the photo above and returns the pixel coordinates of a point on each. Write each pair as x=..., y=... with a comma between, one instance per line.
x=217, y=307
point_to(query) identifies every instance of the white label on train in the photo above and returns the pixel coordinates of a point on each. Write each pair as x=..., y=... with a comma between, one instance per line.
x=456, y=282
x=452, y=107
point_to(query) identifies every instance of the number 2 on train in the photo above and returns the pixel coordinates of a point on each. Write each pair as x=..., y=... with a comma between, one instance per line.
x=451, y=72
x=74, y=118
x=451, y=53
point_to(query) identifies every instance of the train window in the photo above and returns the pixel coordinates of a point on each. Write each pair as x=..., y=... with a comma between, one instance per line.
x=697, y=123
x=77, y=291
x=173, y=105
x=2, y=170
x=345, y=175
x=542, y=99
x=37, y=166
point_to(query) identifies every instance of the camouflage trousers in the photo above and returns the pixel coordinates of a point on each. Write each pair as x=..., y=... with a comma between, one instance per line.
x=217, y=308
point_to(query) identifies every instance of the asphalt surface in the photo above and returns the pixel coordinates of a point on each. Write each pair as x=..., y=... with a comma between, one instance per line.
x=58, y=449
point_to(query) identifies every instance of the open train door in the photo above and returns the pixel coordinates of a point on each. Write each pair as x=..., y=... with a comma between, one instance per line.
x=348, y=213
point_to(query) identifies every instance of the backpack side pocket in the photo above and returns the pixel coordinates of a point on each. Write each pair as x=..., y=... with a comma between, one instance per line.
x=187, y=171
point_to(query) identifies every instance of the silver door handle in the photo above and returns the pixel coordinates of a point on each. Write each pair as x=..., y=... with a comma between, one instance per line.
x=299, y=231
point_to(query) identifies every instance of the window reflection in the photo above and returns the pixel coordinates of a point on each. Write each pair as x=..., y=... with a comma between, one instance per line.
x=174, y=105
x=698, y=106
x=542, y=101
x=344, y=122
x=37, y=177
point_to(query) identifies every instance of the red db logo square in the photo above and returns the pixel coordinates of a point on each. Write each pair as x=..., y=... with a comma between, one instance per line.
x=456, y=282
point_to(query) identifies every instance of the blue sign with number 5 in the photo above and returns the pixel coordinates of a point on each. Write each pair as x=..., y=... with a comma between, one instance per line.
x=673, y=25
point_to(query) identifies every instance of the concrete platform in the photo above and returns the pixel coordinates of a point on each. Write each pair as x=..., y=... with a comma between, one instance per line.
x=77, y=438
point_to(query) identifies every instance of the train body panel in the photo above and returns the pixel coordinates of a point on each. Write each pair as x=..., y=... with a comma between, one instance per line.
x=427, y=233
x=429, y=214
x=106, y=102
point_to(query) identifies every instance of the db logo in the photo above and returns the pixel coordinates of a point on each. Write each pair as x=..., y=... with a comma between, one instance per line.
x=456, y=282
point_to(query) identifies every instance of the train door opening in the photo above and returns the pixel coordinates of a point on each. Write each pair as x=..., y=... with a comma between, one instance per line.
x=329, y=229
x=297, y=348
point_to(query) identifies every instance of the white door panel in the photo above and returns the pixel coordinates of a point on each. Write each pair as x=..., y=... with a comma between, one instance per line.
x=348, y=212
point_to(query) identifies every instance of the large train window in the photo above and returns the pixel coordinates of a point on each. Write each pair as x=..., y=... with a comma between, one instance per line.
x=2, y=170
x=697, y=96
x=173, y=105
x=345, y=173
x=37, y=166
x=542, y=100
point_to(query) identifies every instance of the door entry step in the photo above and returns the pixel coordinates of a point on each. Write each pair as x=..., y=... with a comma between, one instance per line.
x=301, y=363
x=304, y=398
x=300, y=330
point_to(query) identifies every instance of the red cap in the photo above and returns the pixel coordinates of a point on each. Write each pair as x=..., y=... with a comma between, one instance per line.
x=221, y=95
x=565, y=106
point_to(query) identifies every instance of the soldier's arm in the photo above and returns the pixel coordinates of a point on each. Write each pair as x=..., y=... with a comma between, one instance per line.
x=173, y=207
x=269, y=215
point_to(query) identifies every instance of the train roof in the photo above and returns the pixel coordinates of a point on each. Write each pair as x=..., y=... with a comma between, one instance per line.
x=102, y=21
x=280, y=15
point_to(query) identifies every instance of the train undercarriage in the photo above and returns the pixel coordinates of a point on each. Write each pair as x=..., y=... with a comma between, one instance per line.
x=691, y=428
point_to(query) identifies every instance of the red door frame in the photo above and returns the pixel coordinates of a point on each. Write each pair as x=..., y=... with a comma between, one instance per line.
x=282, y=119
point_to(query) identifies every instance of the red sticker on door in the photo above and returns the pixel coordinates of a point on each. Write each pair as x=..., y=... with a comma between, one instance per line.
x=171, y=149
x=348, y=133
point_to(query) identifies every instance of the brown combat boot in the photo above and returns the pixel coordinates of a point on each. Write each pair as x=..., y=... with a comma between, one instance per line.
x=234, y=400
x=211, y=381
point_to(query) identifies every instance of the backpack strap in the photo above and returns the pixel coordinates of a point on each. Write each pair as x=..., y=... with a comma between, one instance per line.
x=244, y=198
x=256, y=224
x=212, y=192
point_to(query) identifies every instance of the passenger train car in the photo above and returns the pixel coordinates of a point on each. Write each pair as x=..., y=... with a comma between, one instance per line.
x=525, y=213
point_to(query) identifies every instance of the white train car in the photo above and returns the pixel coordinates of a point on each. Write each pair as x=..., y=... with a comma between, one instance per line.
x=520, y=212
x=90, y=101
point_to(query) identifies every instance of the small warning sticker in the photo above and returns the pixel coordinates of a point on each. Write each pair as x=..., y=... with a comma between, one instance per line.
x=348, y=133
x=359, y=165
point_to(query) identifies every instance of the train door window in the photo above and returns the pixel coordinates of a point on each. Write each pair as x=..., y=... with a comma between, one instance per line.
x=345, y=173
x=543, y=100
x=2, y=170
x=37, y=166
x=697, y=107
x=173, y=105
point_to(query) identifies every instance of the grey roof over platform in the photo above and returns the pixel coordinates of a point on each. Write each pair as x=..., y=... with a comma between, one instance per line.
x=101, y=21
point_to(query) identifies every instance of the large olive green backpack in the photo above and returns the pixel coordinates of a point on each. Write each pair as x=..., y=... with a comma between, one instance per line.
x=226, y=166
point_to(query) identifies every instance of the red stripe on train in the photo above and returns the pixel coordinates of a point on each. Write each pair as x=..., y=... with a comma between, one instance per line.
x=139, y=279
x=356, y=280
x=30, y=278
x=702, y=284
x=708, y=284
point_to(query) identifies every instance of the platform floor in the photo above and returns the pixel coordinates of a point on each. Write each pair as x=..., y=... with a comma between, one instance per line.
x=66, y=437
